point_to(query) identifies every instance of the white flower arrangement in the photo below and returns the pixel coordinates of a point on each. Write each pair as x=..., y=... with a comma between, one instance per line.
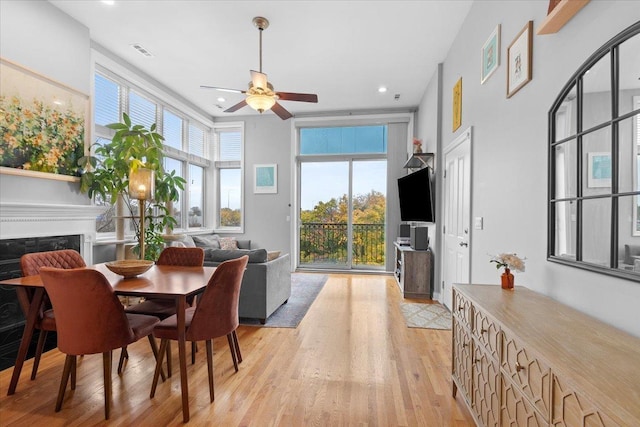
x=510, y=261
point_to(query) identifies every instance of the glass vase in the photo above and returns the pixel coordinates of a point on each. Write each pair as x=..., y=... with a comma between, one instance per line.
x=507, y=279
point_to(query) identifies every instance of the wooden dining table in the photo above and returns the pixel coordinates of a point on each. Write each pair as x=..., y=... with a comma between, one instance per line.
x=160, y=281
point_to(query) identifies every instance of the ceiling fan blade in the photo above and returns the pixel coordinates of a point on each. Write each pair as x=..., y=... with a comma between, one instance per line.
x=223, y=89
x=259, y=79
x=236, y=107
x=304, y=97
x=281, y=112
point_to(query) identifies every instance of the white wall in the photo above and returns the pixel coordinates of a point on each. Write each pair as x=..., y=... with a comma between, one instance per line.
x=39, y=36
x=509, y=147
x=267, y=141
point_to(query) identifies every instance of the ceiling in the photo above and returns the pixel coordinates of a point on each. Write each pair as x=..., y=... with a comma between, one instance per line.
x=340, y=50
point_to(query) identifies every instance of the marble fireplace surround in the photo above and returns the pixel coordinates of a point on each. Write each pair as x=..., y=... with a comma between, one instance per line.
x=19, y=220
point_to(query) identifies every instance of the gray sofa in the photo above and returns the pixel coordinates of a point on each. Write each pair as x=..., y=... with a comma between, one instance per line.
x=266, y=284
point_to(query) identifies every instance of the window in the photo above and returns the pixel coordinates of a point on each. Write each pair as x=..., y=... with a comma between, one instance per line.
x=185, y=144
x=172, y=130
x=594, y=187
x=229, y=171
x=141, y=110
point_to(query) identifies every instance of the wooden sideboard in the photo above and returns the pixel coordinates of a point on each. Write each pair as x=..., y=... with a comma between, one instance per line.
x=523, y=359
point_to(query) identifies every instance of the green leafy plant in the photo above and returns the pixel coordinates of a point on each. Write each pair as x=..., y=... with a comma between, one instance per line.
x=106, y=173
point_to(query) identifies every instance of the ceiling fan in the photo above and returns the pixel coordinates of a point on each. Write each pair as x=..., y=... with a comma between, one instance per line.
x=260, y=95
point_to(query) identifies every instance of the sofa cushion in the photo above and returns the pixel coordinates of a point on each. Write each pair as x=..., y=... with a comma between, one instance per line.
x=244, y=244
x=209, y=241
x=187, y=241
x=228, y=243
x=220, y=255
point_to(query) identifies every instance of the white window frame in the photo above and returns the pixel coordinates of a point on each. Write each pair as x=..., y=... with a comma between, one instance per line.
x=218, y=165
x=127, y=79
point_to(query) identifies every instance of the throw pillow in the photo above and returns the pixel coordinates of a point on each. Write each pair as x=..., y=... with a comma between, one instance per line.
x=188, y=242
x=228, y=243
x=244, y=244
x=271, y=255
x=212, y=241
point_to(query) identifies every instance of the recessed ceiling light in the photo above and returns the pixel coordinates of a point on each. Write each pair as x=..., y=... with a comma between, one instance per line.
x=109, y=2
x=382, y=89
x=221, y=99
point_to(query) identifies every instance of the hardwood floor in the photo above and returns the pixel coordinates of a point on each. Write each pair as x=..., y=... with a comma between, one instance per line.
x=352, y=361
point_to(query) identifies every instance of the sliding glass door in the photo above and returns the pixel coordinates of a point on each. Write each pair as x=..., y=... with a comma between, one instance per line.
x=342, y=215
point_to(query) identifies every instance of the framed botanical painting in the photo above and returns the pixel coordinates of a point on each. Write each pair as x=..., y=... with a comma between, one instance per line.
x=598, y=169
x=490, y=55
x=457, y=104
x=266, y=179
x=520, y=60
x=42, y=123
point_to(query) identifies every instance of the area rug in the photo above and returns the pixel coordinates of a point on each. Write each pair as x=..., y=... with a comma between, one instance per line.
x=305, y=287
x=428, y=316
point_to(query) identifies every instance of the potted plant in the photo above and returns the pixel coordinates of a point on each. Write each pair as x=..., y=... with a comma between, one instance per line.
x=106, y=173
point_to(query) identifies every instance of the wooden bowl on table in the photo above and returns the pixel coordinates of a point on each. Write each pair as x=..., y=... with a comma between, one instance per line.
x=129, y=267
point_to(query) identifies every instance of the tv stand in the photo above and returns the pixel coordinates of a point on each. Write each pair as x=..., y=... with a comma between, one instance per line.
x=413, y=271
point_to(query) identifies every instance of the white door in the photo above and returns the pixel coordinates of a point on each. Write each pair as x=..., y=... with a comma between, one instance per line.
x=457, y=213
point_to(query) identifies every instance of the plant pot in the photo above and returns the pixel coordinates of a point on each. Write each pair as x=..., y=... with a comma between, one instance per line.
x=507, y=279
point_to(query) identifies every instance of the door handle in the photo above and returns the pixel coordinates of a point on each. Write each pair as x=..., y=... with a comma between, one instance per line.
x=465, y=244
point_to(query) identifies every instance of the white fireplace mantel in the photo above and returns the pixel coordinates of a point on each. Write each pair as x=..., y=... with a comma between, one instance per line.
x=20, y=220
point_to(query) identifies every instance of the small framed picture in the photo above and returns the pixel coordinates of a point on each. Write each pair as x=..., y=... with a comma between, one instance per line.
x=520, y=60
x=457, y=104
x=266, y=179
x=598, y=169
x=490, y=55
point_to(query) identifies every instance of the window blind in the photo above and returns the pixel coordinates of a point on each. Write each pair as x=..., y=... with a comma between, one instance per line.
x=106, y=101
x=172, y=129
x=141, y=110
x=230, y=146
x=196, y=140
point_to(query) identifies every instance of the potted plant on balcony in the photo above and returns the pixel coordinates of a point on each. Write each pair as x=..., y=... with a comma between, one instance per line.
x=107, y=174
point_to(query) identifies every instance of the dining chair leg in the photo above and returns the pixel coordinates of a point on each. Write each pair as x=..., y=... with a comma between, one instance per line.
x=154, y=349
x=168, y=359
x=237, y=345
x=36, y=360
x=210, y=369
x=233, y=352
x=161, y=353
x=194, y=348
x=106, y=362
x=74, y=369
x=68, y=362
x=124, y=354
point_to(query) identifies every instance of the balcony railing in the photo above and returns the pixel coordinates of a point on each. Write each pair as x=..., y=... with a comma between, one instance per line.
x=326, y=243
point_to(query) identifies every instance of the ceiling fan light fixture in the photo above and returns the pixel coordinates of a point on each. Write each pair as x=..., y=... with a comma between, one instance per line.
x=260, y=102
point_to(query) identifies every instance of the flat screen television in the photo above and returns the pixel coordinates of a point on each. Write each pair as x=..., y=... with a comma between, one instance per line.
x=416, y=197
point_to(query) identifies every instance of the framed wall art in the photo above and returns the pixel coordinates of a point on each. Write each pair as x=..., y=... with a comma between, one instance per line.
x=42, y=123
x=490, y=55
x=598, y=169
x=457, y=104
x=520, y=60
x=266, y=179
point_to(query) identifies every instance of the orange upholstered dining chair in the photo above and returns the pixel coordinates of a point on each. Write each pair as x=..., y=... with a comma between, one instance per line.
x=90, y=319
x=30, y=265
x=215, y=315
x=163, y=308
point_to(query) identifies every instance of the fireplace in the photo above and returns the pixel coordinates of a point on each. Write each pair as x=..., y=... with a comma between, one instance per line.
x=12, y=318
x=29, y=227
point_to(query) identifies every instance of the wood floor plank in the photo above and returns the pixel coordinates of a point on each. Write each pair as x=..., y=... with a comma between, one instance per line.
x=351, y=361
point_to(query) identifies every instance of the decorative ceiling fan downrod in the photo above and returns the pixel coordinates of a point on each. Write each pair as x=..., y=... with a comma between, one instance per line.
x=262, y=24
